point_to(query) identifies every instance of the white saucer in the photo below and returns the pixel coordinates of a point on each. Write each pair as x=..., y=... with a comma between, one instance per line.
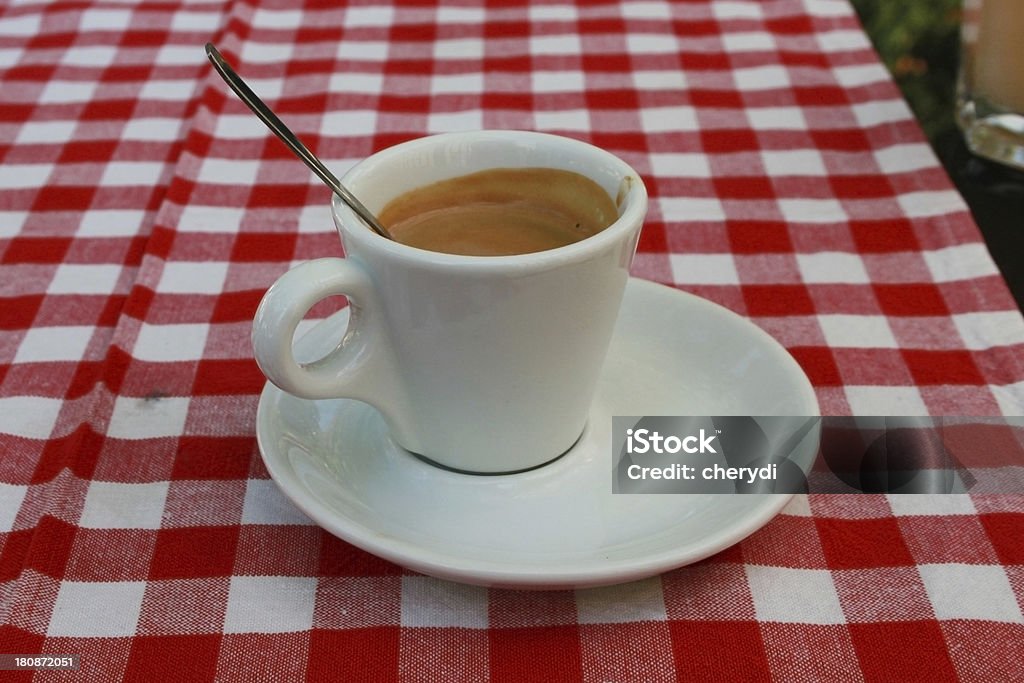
x=558, y=526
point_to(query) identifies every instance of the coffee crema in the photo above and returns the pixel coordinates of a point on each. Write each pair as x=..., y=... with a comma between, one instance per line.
x=500, y=212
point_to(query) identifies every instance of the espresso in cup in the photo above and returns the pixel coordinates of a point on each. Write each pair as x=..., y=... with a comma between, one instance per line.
x=500, y=212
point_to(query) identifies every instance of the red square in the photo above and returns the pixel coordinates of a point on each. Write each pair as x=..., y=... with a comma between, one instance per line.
x=14, y=547
x=554, y=654
x=1006, y=532
x=233, y=307
x=194, y=552
x=716, y=99
x=369, y=654
x=208, y=457
x=719, y=651
x=777, y=300
x=819, y=364
x=911, y=299
x=863, y=543
x=653, y=238
x=942, y=367
x=217, y=377
x=744, y=187
x=902, y=651
x=49, y=250
x=20, y=311
x=179, y=658
x=338, y=558
x=759, y=237
x=724, y=141
x=835, y=139
x=860, y=186
x=263, y=246
x=51, y=547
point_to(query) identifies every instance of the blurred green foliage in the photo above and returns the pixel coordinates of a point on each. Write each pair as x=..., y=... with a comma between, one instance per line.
x=919, y=41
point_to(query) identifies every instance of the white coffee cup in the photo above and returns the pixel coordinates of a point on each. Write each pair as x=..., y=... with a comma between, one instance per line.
x=484, y=364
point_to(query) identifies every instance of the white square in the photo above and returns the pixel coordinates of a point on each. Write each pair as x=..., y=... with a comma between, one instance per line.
x=266, y=53
x=11, y=498
x=132, y=173
x=157, y=130
x=112, y=505
x=104, y=20
x=110, y=223
x=557, y=81
x=457, y=83
x=265, y=504
x=828, y=8
x=797, y=162
x=450, y=122
x=11, y=223
x=565, y=119
x=210, y=219
x=668, y=119
x=459, y=48
x=911, y=504
x=832, y=267
x=682, y=165
x=988, y=329
x=552, y=12
x=875, y=400
x=566, y=44
x=724, y=9
x=857, y=75
x=659, y=80
x=363, y=50
x=270, y=604
x=903, y=158
x=749, y=41
x=32, y=417
x=794, y=596
x=348, y=122
x=1010, y=397
x=277, y=19
x=349, y=82
x=812, y=210
x=18, y=176
x=704, y=269
x=48, y=344
x=857, y=331
x=648, y=43
x=46, y=132
x=761, y=78
x=187, y=277
x=148, y=418
x=646, y=10
x=186, y=20
x=922, y=204
x=461, y=15
x=93, y=55
x=876, y=112
x=238, y=127
x=67, y=91
x=168, y=343
x=167, y=90
x=962, y=591
x=180, y=55
x=316, y=218
x=798, y=506
x=84, y=279
x=691, y=209
x=267, y=88
x=86, y=609
x=26, y=25
x=228, y=171
x=960, y=262
x=630, y=602
x=369, y=15
x=430, y=602
x=777, y=118
x=843, y=40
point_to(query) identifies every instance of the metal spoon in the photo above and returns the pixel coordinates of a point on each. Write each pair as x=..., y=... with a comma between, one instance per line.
x=286, y=136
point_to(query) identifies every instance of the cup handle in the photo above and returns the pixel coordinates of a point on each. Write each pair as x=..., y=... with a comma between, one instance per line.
x=357, y=367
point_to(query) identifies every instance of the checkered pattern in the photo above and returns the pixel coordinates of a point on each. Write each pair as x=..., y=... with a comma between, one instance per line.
x=143, y=212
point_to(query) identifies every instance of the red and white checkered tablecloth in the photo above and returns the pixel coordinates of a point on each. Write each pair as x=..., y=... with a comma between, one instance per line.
x=144, y=211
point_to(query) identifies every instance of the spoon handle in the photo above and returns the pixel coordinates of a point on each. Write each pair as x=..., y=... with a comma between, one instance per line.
x=264, y=113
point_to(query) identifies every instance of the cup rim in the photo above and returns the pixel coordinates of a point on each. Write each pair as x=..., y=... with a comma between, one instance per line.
x=352, y=227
